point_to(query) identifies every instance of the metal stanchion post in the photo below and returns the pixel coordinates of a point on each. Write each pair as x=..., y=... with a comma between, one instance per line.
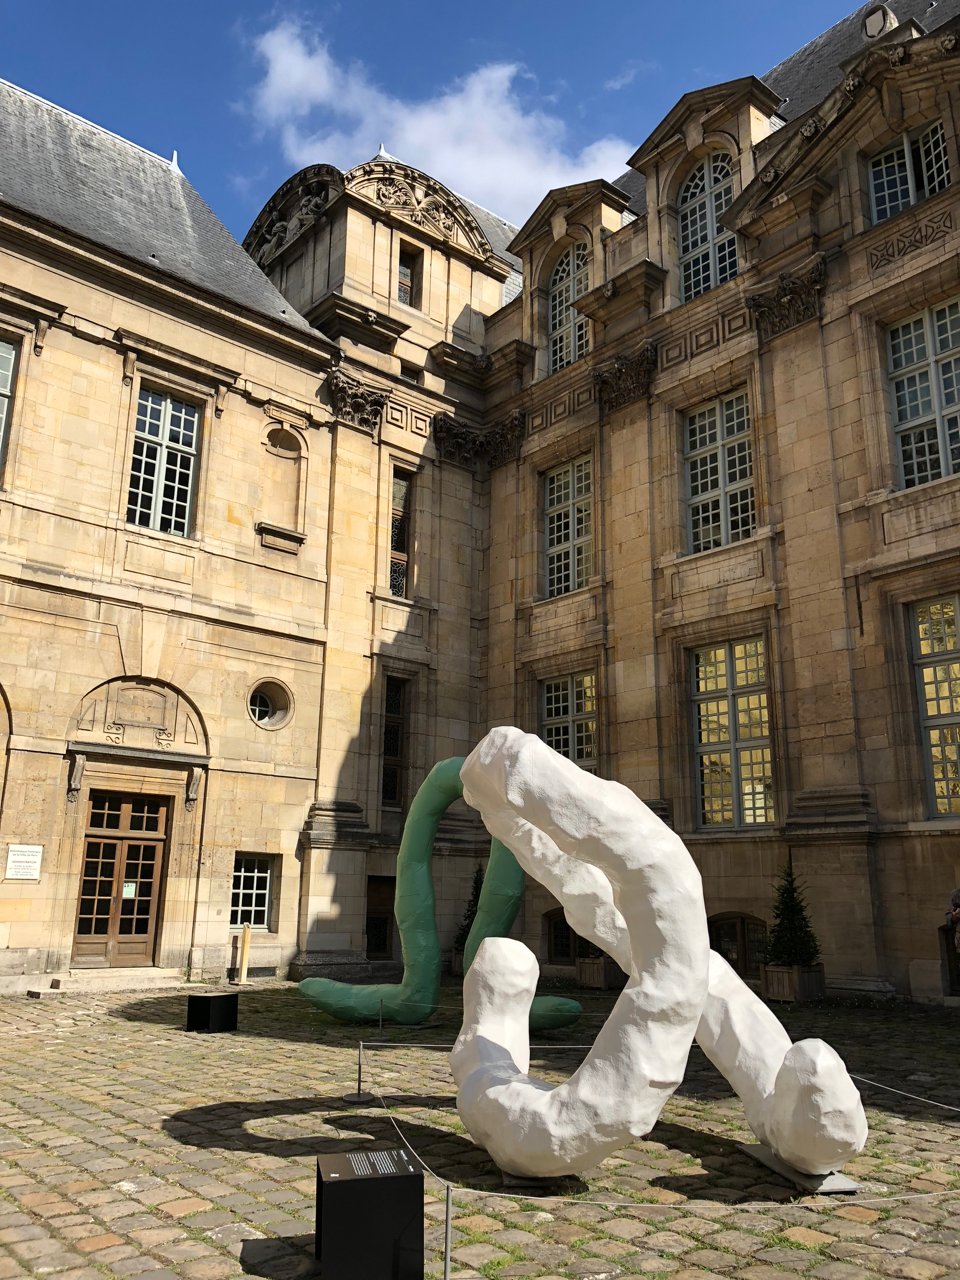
x=359, y=1097
x=447, y=1234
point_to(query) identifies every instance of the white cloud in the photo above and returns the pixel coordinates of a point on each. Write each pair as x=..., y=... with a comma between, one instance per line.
x=477, y=135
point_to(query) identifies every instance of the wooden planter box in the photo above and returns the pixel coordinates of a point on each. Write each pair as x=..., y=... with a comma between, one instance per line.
x=591, y=974
x=793, y=982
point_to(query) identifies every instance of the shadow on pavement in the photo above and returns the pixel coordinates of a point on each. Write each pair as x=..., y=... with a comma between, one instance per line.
x=287, y=1259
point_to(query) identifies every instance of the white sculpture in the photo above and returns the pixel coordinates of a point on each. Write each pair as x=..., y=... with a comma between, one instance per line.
x=627, y=884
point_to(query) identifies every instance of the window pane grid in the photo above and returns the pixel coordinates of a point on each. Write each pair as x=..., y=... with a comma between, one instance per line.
x=924, y=363
x=8, y=355
x=732, y=735
x=937, y=646
x=720, y=496
x=568, y=527
x=915, y=167
x=251, y=891
x=162, y=468
x=568, y=721
x=708, y=251
x=569, y=334
x=400, y=522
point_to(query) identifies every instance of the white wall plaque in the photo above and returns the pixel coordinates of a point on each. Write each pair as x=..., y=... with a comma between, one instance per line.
x=23, y=861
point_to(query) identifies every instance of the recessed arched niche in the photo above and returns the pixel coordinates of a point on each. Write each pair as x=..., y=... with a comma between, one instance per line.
x=281, y=480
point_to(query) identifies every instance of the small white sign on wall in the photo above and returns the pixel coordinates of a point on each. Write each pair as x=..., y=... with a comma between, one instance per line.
x=23, y=861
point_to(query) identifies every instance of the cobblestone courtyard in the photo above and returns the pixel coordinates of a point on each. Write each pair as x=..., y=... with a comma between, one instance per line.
x=129, y=1148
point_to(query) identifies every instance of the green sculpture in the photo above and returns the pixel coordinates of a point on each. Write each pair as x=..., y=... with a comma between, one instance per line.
x=415, y=998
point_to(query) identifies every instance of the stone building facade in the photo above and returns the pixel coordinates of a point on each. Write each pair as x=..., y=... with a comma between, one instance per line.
x=670, y=475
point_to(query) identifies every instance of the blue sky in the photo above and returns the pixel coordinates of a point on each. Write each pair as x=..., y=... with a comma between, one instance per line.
x=500, y=101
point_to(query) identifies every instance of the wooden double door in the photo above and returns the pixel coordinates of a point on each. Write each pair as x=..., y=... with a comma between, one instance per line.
x=123, y=861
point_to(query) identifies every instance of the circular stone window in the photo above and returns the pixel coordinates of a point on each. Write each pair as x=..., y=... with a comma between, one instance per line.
x=270, y=704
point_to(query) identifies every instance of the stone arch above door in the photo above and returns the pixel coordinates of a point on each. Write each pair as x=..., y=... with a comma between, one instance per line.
x=138, y=714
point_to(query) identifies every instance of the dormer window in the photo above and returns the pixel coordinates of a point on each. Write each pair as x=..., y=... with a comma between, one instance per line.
x=569, y=335
x=708, y=251
x=915, y=168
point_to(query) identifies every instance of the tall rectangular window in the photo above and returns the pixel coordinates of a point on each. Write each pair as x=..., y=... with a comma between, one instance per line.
x=937, y=657
x=251, y=900
x=163, y=471
x=400, y=532
x=734, y=765
x=568, y=718
x=568, y=532
x=394, y=757
x=914, y=168
x=410, y=277
x=8, y=362
x=923, y=357
x=718, y=444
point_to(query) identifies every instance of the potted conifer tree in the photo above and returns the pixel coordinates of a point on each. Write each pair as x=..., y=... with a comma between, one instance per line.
x=793, y=970
x=466, y=924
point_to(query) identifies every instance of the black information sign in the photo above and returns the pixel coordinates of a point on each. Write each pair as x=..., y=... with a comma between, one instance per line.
x=369, y=1216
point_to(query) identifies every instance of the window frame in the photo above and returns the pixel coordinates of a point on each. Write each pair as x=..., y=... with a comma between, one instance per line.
x=568, y=560
x=947, y=685
x=568, y=332
x=397, y=762
x=726, y=490
x=910, y=145
x=270, y=893
x=151, y=387
x=735, y=745
x=714, y=199
x=7, y=397
x=939, y=372
x=581, y=725
x=401, y=533
x=409, y=261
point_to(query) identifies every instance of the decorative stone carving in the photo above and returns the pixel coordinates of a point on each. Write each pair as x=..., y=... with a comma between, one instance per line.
x=392, y=193
x=503, y=440
x=769, y=175
x=78, y=763
x=852, y=85
x=420, y=199
x=354, y=403
x=456, y=442
x=470, y=447
x=793, y=299
x=273, y=241
x=897, y=54
x=810, y=128
x=627, y=379
x=627, y=884
x=909, y=239
x=137, y=715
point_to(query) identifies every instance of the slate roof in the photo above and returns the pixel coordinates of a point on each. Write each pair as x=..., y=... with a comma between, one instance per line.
x=808, y=75
x=92, y=183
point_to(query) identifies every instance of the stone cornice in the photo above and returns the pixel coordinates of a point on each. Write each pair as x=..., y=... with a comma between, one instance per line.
x=354, y=403
x=509, y=362
x=337, y=317
x=791, y=299
x=463, y=366
x=626, y=378
x=626, y=292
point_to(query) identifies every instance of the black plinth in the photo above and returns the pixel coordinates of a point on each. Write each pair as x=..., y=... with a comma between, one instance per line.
x=369, y=1216
x=212, y=1011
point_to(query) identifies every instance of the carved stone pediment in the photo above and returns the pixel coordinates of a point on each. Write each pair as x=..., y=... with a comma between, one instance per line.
x=421, y=200
x=296, y=206
x=791, y=299
x=354, y=403
x=471, y=447
x=627, y=379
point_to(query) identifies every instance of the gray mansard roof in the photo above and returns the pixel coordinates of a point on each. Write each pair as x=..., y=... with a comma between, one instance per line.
x=78, y=177
x=808, y=75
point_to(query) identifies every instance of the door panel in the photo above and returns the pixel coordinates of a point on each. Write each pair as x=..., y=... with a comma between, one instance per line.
x=121, y=880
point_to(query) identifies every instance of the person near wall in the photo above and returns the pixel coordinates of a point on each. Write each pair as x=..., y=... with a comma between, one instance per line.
x=953, y=917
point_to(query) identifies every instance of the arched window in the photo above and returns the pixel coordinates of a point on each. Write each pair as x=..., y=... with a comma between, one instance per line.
x=708, y=251
x=569, y=337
